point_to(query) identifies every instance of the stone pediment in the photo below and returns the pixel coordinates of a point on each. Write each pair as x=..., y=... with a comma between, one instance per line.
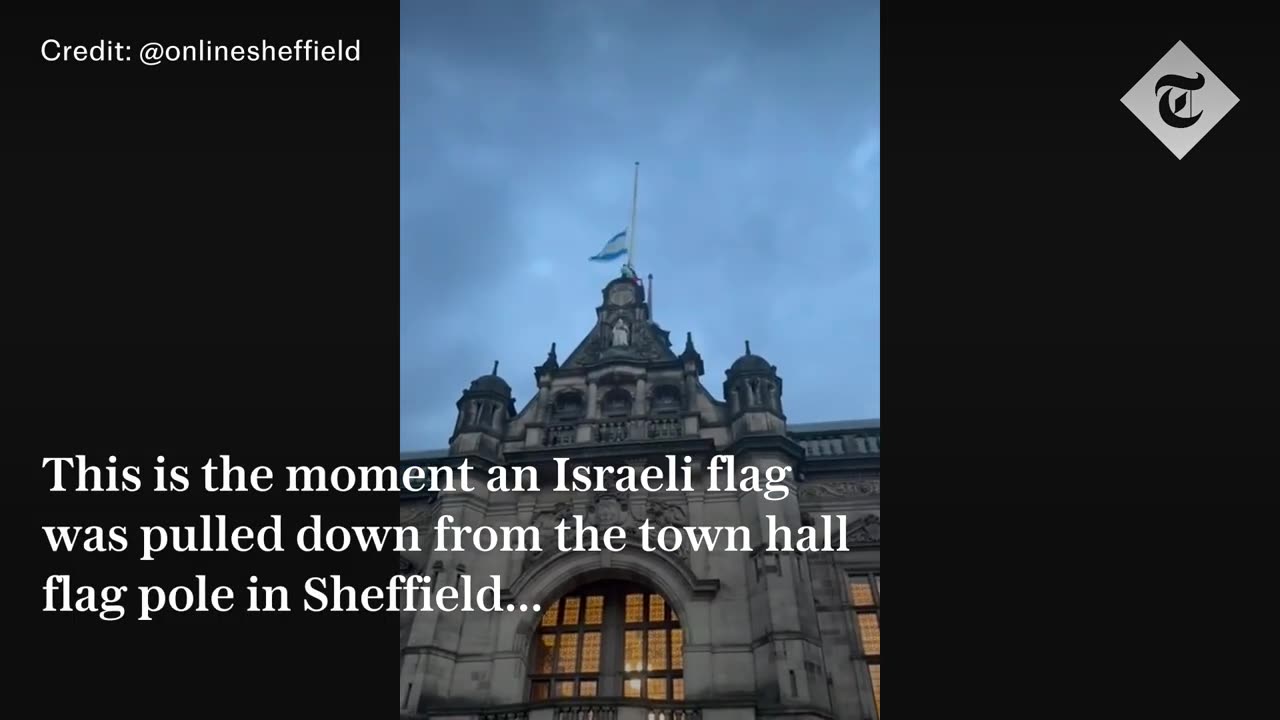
x=645, y=342
x=864, y=531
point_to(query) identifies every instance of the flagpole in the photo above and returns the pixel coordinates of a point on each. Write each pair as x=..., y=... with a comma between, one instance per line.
x=631, y=231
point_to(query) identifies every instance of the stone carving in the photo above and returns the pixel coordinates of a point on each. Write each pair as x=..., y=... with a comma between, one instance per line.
x=865, y=531
x=611, y=510
x=607, y=511
x=546, y=522
x=622, y=295
x=841, y=489
x=419, y=514
x=588, y=353
x=664, y=514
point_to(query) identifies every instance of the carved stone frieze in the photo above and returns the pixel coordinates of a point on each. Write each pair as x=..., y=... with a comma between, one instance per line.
x=610, y=510
x=419, y=515
x=841, y=489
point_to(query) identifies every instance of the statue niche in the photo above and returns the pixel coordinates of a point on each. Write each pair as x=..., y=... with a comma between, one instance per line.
x=621, y=336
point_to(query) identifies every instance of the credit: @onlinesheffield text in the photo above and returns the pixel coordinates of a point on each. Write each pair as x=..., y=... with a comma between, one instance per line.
x=203, y=51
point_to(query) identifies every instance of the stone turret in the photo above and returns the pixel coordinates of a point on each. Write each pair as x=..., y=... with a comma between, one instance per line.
x=753, y=392
x=484, y=410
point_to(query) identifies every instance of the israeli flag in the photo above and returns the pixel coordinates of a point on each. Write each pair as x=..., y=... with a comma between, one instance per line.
x=614, y=249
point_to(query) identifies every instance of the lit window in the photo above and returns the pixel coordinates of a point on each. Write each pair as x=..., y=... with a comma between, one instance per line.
x=591, y=639
x=595, y=610
x=874, y=669
x=864, y=598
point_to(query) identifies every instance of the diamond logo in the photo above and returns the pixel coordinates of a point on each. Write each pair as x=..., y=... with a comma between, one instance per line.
x=1180, y=100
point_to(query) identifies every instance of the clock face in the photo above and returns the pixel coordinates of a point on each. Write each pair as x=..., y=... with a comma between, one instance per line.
x=622, y=295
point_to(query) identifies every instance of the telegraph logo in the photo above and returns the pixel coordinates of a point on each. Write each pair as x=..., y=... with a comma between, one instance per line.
x=1179, y=100
x=1170, y=115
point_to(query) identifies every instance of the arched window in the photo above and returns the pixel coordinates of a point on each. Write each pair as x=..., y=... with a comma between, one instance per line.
x=617, y=403
x=568, y=406
x=608, y=639
x=666, y=399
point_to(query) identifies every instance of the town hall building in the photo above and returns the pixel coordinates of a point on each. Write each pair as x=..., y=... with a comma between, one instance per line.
x=636, y=635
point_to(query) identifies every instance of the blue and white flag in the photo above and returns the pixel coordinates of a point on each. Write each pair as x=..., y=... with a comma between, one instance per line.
x=614, y=249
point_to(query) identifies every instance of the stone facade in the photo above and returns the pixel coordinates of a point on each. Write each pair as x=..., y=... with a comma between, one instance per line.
x=764, y=634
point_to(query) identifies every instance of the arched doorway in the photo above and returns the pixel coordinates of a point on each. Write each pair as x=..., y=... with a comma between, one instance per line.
x=610, y=638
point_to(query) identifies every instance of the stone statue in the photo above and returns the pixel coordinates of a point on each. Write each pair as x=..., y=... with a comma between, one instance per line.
x=620, y=334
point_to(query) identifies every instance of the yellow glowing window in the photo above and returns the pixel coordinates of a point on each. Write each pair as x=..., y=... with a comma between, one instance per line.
x=656, y=608
x=591, y=652
x=543, y=658
x=657, y=650
x=875, y=684
x=860, y=593
x=568, y=655
x=583, y=637
x=595, y=610
x=869, y=629
x=677, y=649
x=549, y=618
x=635, y=608
x=570, y=612
x=634, y=651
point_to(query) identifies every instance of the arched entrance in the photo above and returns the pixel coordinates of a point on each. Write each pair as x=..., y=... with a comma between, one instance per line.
x=608, y=638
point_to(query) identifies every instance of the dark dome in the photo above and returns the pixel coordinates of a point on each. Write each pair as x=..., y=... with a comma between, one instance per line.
x=750, y=363
x=491, y=383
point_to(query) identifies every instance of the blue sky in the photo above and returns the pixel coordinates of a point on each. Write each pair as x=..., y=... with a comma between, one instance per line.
x=756, y=125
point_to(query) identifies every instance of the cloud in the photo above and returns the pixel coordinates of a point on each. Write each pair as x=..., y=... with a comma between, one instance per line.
x=757, y=128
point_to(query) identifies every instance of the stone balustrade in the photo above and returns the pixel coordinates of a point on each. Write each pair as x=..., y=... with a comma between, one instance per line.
x=585, y=709
x=614, y=431
x=840, y=445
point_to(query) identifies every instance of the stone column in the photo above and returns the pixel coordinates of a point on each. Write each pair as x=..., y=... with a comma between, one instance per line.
x=593, y=409
x=642, y=397
x=544, y=404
